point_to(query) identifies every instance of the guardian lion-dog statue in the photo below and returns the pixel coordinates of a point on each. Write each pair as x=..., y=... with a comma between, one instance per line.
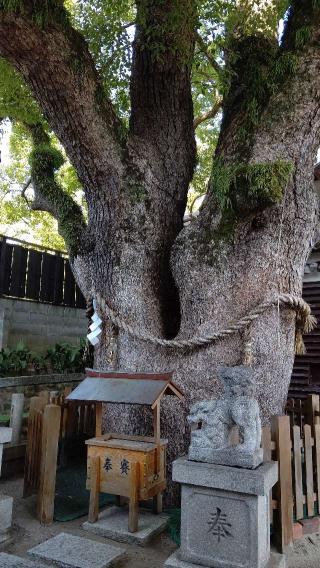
x=236, y=414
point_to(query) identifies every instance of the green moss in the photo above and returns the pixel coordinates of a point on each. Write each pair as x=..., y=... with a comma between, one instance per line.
x=44, y=161
x=257, y=70
x=43, y=11
x=302, y=36
x=242, y=189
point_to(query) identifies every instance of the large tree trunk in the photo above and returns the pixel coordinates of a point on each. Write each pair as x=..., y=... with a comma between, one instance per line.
x=158, y=276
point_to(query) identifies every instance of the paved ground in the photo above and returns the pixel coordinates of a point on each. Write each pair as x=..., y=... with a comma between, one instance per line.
x=28, y=533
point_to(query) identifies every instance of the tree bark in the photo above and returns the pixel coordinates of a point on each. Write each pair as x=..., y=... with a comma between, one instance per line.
x=161, y=277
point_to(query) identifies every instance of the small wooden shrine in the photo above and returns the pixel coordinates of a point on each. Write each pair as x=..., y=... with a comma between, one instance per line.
x=126, y=466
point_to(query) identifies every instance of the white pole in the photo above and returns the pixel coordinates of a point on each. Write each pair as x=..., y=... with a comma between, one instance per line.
x=16, y=416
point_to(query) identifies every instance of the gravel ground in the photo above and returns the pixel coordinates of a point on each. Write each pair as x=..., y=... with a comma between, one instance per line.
x=28, y=533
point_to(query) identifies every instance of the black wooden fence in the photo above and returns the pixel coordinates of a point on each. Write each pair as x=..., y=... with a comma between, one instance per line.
x=37, y=274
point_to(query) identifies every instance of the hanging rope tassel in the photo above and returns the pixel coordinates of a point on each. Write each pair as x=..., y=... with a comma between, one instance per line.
x=305, y=323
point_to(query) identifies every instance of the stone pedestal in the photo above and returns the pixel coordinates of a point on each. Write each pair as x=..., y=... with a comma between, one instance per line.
x=6, y=502
x=224, y=515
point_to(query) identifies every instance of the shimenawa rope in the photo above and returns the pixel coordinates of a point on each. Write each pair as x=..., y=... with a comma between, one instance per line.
x=305, y=322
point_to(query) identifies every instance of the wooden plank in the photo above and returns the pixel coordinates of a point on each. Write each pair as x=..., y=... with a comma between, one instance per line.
x=312, y=411
x=309, y=469
x=94, y=489
x=58, y=280
x=47, y=280
x=49, y=455
x=33, y=275
x=317, y=460
x=157, y=435
x=298, y=490
x=18, y=272
x=283, y=517
x=3, y=248
x=267, y=457
x=133, y=501
x=157, y=504
x=69, y=298
x=80, y=299
x=5, y=268
x=98, y=419
x=33, y=448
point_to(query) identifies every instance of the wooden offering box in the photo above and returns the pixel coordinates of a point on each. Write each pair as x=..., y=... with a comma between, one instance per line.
x=127, y=466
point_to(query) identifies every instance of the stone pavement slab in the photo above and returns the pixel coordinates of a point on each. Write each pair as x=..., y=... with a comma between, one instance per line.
x=11, y=561
x=69, y=551
x=276, y=561
x=113, y=524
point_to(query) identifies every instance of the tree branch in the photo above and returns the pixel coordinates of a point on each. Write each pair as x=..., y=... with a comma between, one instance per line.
x=49, y=195
x=161, y=124
x=209, y=114
x=204, y=49
x=54, y=60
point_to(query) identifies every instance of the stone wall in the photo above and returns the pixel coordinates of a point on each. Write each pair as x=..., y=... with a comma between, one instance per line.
x=39, y=325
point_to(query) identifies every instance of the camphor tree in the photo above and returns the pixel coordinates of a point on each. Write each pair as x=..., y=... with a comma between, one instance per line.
x=257, y=222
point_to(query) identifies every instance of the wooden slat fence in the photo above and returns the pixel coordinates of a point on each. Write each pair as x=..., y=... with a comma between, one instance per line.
x=294, y=441
x=37, y=274
x=51, y=420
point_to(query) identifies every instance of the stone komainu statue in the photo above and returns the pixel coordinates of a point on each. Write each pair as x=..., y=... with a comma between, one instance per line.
x=213, y=422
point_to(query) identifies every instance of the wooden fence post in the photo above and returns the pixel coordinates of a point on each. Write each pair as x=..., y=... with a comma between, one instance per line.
x=2, y=264
x=49, y=454
x=33, y=449
x=94, y=489
x=312, y=411
x=283, y=517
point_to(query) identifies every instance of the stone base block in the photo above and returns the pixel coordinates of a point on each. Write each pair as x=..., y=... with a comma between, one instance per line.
x=228, y=456
x=276, y=561
x=113, y=523
x=68, y=551
x=11, y=561
x=6, y=504
x=225, y=521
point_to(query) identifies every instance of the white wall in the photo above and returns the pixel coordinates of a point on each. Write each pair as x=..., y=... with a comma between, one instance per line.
x=39, y=325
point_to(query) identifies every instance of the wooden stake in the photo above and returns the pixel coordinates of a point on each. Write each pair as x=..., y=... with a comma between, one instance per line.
x=98, y=419
x=280, y=428
x=49, y=454
x=94, y=489
x=134, y=495
x=157, y=435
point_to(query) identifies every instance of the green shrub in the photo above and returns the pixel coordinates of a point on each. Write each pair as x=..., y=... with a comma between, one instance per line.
x=62, y=358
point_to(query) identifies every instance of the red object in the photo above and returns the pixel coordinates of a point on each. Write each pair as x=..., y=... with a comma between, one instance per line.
x=297, y=531
x=310, y=526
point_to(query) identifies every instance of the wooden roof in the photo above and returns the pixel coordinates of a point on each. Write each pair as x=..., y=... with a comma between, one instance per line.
x=127, y=388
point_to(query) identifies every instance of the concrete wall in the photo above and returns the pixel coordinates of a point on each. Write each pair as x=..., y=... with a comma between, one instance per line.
x=39, y=325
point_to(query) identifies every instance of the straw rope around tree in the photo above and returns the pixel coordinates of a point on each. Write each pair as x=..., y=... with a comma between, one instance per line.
x=305, y=322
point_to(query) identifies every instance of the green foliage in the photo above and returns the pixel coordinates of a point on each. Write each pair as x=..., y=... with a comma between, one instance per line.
x=239, y=35
x=248, y=188
x=62, y=358
x=106, y=26
x=66, y=358
x=16, y=100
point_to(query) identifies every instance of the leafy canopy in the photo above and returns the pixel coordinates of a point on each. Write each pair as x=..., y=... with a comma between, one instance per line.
x=108, y=26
